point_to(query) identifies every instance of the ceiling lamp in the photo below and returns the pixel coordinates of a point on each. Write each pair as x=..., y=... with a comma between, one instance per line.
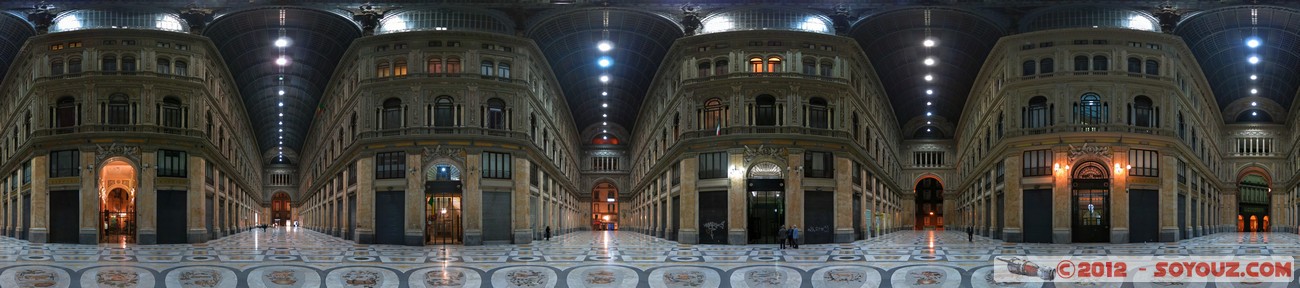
x=604, y=46
x=282, y=61
x=1252, y=42
x=928, y=43
x=282, y=42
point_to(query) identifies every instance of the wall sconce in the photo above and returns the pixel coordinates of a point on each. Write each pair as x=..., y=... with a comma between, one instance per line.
x=735, y=171
x=1119, y=170
x=1059, y=168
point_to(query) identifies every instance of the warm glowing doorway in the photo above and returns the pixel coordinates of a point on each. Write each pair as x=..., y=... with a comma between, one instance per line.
x=117, y=203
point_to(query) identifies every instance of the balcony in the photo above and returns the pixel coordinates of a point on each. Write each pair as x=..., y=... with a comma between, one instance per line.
x=471, y=76
x=750, y=75
x=470, y=131
x=120, y=73
x=1089, y=74
x=1064, y=128
x=740, y=130
x=131, y=128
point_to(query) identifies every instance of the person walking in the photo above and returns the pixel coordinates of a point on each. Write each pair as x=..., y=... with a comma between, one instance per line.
x=794, y=236
x=781, y=235
x=970, y=234
x=548, y=233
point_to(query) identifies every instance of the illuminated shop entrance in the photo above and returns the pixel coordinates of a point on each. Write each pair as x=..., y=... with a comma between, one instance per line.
x=442, y=196
x=765, y=203
x=117, y=203
x=1091, y=205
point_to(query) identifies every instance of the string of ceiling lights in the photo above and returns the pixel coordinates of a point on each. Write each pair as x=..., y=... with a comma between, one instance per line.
x=930, y=61
x=281, y=44
x=1253, y=42
x=604, y=61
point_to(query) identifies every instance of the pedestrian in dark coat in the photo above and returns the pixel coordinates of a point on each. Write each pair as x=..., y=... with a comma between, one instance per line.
x=970, y=234
x=548, y=233
x=781, y=235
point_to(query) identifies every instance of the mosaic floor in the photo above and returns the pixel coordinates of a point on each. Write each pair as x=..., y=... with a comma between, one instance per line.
x=302, y=258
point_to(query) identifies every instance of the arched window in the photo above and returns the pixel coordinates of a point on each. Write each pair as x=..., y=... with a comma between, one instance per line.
x=712, y=115
x=1046, y=66
x=774, y=64
x=496, y=114
x=677, y=121
x=108, y=63
x=1000, y=122
x=486, y=67
x=817, y=113
x=399, y=67
x=765, y=110
x=503, y=70
x=720, y=67
x=703, y=69
x=826, y=68
x=352, y=126
x=1134, y=65
x=172, y=116
x=1028, y=68
x=74, y=65
x=382, y=70
x=119, y=110
x=56, y=67
x=435, y=66
x=1153, y=67
x=1100, y=63
x=65, y=112
x=1080, y=63
x=755, y=64
x=1090, y=110
x=128, y=64
x=809, y=66
x=857, y=133
x=182, y=68
x=1037, y=114
x=164, y=66
x=444, y=113
x=453, y=65
x=392, y=114
x=1143, y=112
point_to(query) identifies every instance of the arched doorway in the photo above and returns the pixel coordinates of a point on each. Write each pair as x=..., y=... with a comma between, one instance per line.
x=442, y=196
x=117, y=202
x=1252, y=203
x=929, y=204
x=604, y=206
x=281, y=212
x=765, y=203
x=1091, y=203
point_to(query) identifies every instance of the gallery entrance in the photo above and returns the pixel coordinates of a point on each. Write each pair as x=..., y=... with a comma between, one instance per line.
x=281, y=213
x=929, y=204
x=764, y=203
x=442, y=196
x=1253, y=203
x=117, y=203
x=1091, y=204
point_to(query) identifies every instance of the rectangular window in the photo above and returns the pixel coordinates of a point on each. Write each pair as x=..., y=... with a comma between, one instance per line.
x=128, y=42
x=819, y=165
x=713, y=165
x=1144, y=162
x=496, y=165
x=1038, y=163
x=56, y=47
x=172, y=163
x=65, y=164
x=390, y=165
x=74, y=44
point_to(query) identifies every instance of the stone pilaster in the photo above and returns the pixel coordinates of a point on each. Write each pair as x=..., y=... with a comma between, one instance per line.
x=39, y=231
x=1169, y=229
x=365, y=200
x=523, y=233
x=146, y=199
x=1013, y=232
x=195, y=197
x=736, y=204
x=843, y=200
x=415, y=203
x=1061, y=232
x=472, y=201
x=88, y=232
x=1119, y=228
x=689, y=233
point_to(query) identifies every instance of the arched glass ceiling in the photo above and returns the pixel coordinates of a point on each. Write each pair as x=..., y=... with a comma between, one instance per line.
x=445, y=19
x=118, y=17
x=1088, y=16
x=14, y=32
x=316, y=42
x=766, y=18
x=1219, y=40
x=895, y=41
x=639, y=41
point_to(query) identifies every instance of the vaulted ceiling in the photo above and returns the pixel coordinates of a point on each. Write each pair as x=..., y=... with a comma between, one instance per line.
x=642, y=31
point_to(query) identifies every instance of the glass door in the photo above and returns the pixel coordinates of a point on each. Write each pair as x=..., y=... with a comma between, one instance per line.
x=1091, y=215
x=442, y=220
x=766, y=215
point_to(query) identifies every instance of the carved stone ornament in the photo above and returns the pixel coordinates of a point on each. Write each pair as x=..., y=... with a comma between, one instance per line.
x=104, y=152
x=751, y=153
x=1085, y=150
x=440, y=153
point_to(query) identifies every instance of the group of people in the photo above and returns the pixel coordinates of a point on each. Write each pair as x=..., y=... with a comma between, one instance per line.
x=790, y=236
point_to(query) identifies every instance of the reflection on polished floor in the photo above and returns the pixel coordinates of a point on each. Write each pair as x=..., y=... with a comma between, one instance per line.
x=302, y=258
